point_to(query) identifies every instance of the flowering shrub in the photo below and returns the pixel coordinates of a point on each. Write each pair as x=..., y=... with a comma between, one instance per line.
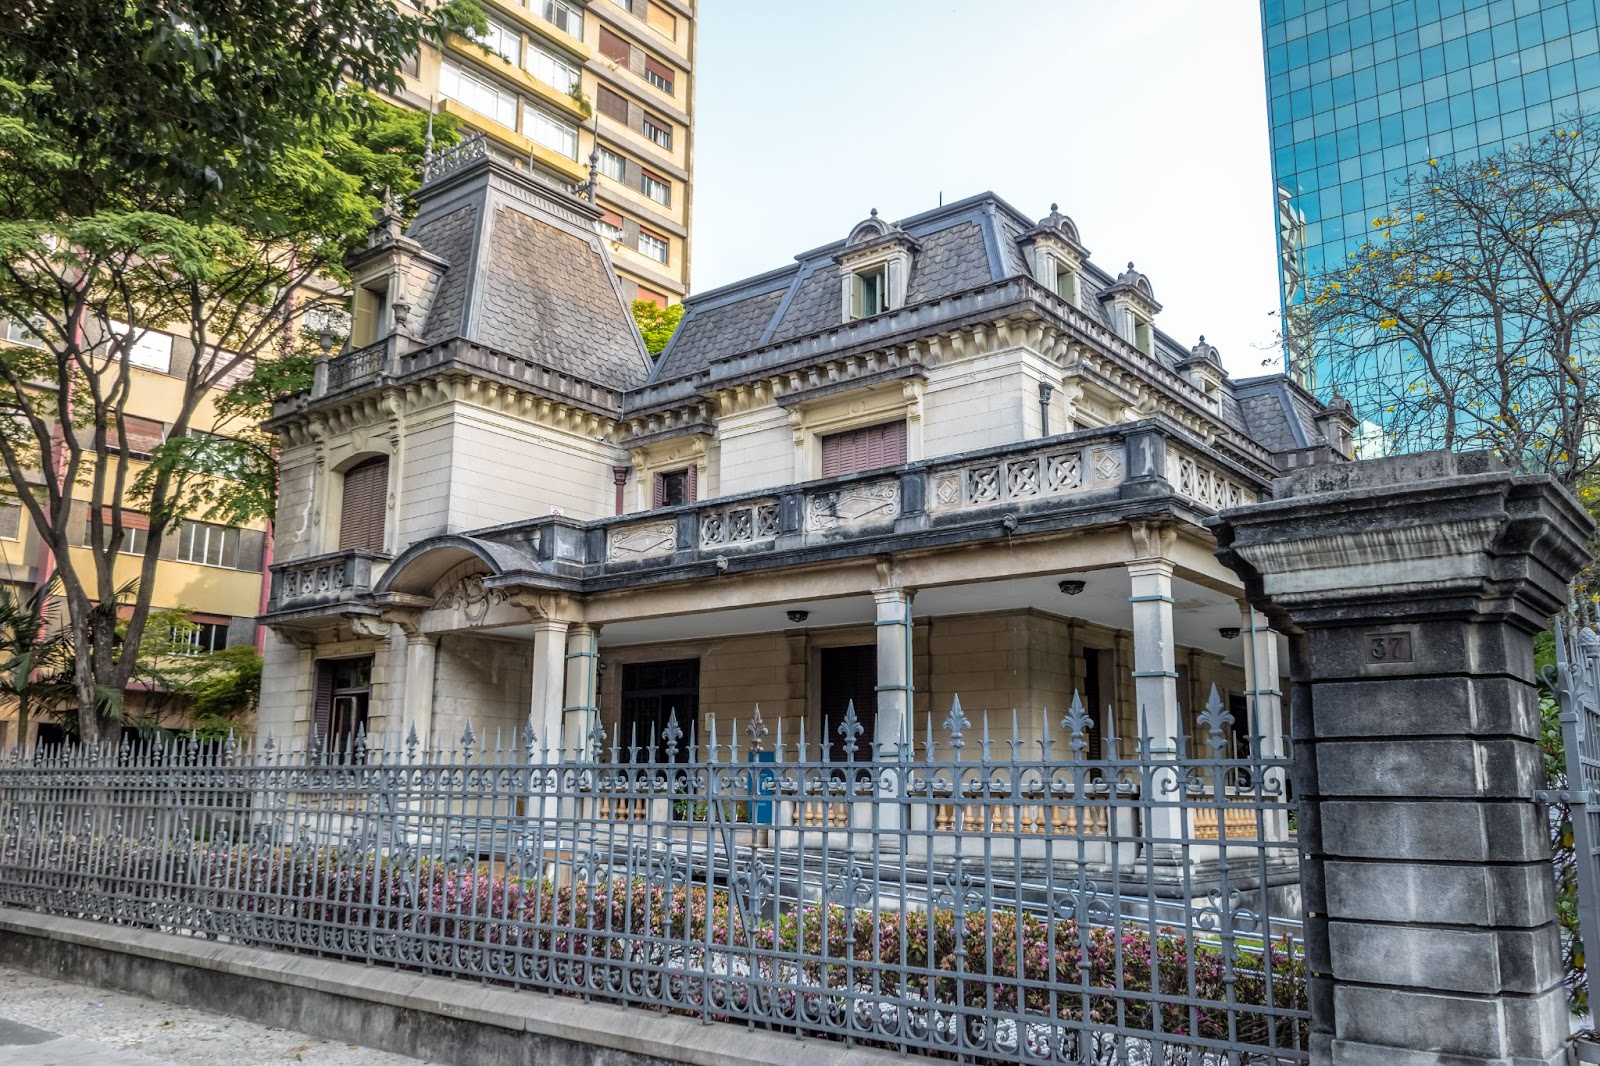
x=811, y=967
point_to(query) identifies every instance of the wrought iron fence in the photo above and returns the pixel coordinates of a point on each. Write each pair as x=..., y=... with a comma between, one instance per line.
x=1577, y=803
x=994, y=896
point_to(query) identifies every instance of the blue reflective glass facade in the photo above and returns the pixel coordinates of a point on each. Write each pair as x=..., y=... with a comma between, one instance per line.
x=1362, y=92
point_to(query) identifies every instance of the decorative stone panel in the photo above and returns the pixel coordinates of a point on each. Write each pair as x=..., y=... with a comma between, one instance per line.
x=750, y=522
x=1205, y=484
x=644, y=540
x=866, y=504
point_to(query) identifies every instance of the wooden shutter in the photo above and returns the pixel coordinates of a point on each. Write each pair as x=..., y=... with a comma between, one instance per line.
x=658, y=490
x=869, y=448
x=321, y=698
x=366, y=491
x=612, y=46
x=690, y=495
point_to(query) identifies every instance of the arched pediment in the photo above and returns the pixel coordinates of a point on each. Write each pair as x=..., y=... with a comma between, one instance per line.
x=429, y=566
x=868, y=230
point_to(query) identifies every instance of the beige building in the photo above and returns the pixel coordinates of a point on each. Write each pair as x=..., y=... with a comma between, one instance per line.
x=560, y=86
x=937, y=457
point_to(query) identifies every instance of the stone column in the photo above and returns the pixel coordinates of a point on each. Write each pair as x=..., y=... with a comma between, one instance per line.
x=421, y=654
x=1410, y=589
x=549, y=681
x=1155, y=677
x=895, y=732
x=1264, y=700
x=582, y=710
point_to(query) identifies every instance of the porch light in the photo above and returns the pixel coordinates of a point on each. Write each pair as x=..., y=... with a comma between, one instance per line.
x=1072, y=586
x=1228, y=632
x=799, y=616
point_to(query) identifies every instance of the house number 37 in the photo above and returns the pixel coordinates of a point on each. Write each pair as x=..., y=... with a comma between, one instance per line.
x=1389, y=648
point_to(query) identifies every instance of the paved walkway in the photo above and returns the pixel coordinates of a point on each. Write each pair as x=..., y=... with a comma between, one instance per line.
x=53, y=1023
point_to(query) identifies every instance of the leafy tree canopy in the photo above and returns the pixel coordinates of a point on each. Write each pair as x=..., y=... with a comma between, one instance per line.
x=656, y=323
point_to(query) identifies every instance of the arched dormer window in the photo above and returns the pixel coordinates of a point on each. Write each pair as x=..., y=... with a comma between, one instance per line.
x=874, y=268
x=364, y=504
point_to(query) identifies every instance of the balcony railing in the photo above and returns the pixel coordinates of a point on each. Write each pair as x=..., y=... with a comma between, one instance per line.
x=323, y=580
x=359, y=366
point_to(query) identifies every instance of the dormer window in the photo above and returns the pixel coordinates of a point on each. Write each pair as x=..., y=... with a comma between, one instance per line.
x=869, y=292
x=1144, y=336
x=371, y=314
x=1066, y=281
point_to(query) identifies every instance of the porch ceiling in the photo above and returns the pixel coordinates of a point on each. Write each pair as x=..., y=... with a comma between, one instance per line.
x=1198, y=612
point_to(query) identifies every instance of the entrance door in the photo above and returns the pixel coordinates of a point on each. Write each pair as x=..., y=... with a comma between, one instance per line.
x=651, y=693
x=850, y=675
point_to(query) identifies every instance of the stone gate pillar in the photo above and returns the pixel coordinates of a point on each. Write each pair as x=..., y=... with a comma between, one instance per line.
x=1411, y=588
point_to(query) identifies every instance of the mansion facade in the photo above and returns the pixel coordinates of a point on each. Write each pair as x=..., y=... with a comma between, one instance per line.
x=946, y=456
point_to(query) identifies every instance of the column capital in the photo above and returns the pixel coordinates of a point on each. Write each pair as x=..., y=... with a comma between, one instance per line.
x=409, y=621
x=1412, y=537
x=893, y=595
x=545, y=605
x=1153, y=541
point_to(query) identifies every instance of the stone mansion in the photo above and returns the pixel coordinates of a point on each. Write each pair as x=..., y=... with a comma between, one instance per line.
x=943, y=456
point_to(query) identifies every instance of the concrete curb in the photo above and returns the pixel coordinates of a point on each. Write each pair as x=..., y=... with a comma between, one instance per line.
x=393, y=1010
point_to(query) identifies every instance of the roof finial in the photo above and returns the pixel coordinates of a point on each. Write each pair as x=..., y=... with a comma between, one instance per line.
x=1054, y=208
x=874, y=212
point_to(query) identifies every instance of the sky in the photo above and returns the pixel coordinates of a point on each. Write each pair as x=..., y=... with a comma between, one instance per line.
x=1144, y=119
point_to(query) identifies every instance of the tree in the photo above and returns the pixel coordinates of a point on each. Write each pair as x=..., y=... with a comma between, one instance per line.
x=1470, y=318
x=190, y=173
x=35, y=654
x=656, y=323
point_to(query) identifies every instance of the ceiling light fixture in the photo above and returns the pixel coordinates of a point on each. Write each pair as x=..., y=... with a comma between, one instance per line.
x=1072, y=586
x=799, y=616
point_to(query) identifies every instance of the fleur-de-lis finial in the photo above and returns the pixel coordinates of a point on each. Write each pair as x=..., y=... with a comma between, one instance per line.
x=757, y=731
x=672, y=734
x=1076, y=722
x=956, y=723
x=850, y=729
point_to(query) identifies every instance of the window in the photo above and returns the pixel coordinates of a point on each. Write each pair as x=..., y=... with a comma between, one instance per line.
x=481, y=95
x=610, y=225
x=612, y=104
x=612, y=165
x=658, y=130
x=371, y=313
x=1066, y=283
x=656, y=187
x=869, y=292
x=24, y=333
x=341, y=690
x=653, y=246
x=211, y=545
x=658, y=74
x=204, y=638
x=546, y=129
x=550, y=69
x=147, y=348
x=1144, y=337
x=502, y=41
x=661, y=20
x=144, y=436
x=613, y=47
x=674, y=488
x=366, y=498
x=868, y=448
x=135, y=531
x=650, y=296
x=10, y=521
x=566, y=17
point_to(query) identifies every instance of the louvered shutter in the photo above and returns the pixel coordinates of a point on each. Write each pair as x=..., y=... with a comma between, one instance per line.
x=321, y=698
x=613, y=47
x=658, y=490
x=870, y=448
x=366, y=490
x=691, y=494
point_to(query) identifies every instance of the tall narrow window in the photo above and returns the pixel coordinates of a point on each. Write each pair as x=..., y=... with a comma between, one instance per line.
x=361, y=513
x=674, y=488
x=868, y=448
x=869, y=293
x=342, y=689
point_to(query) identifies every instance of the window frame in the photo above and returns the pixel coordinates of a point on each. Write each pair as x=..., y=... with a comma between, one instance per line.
x=878, y=273
x=608, y=230
x=208, y=536
x=557, y=64
x=663, y=82
x=601, y=155
x=196, y=641
x=892, y=448
x=558, y=12
x=648, y=179
x=658, y=130
x=502, y=97
x=140, y=350
x=655, y=238
x=537, y=118
x=499, y=33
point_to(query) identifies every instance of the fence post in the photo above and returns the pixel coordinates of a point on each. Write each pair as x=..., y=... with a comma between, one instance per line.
x=1410, y=589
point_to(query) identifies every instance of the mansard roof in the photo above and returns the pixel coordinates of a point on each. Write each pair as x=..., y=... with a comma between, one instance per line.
x=961, y=246
x=527, y=274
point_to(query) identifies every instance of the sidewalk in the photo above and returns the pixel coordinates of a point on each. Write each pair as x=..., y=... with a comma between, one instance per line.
x=53, y=1023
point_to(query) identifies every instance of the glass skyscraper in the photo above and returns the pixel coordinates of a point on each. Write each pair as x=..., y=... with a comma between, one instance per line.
x=1362, y=92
